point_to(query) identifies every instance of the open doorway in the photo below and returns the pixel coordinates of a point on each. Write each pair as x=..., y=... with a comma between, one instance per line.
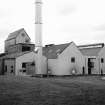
x=90, y=65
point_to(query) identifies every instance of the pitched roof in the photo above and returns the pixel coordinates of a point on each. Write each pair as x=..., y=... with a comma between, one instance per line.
x=91, y=45
x=14, y=34
x=51, y=51
x=91, y=49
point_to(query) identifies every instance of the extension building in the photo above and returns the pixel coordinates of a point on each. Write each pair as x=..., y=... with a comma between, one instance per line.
x=94, y=55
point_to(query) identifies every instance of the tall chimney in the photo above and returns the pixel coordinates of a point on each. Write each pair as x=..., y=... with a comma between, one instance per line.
x=38, y=36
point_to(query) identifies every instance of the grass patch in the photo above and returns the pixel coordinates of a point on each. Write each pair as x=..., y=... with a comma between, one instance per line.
x=52, y=91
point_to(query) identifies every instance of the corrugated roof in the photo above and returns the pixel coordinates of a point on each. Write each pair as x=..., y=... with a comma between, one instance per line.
x=14, y=34
x=51, y=51
x=91, y=45
x=90, y=51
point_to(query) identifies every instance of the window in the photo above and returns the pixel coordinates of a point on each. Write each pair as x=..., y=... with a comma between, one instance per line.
x=24, y=71
x=25, y=48
x=11, y=66
x=102, y=60
x=33, y=64
x=11, y=71
x=23, y=65
x=73, y=59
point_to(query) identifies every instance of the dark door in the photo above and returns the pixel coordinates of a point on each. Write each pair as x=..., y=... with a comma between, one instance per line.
x=89, y=71
x=89, y=66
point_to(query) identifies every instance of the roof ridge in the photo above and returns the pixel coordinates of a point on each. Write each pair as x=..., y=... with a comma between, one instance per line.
x=17, y=30
x=87, y=45
x=14, y=34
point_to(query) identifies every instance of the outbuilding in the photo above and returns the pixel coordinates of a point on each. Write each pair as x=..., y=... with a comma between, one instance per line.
x=22, y=63
x=64, y=59
x=94, y=55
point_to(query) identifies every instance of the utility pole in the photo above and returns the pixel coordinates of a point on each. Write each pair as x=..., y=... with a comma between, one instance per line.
x=38, y=36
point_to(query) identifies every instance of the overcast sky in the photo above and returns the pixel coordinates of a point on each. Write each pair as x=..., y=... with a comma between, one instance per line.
x=81, y=21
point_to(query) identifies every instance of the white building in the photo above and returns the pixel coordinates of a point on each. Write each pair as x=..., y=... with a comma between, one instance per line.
x=22, y=63
x=64, y=59
x=101, y=57
x=19, y=57
x=94, y=55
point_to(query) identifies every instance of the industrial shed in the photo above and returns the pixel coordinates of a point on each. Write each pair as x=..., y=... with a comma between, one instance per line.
x=94, y=55
x=64, y=59
x=22, y=64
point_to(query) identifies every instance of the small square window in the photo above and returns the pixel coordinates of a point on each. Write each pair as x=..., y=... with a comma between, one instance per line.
x=73, y=59
x=23, y=65
x=33, y=64
x=11, y=66
x=102, y=60
x=11, y=71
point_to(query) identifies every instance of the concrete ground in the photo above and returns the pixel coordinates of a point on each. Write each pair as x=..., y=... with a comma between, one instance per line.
x=81, y=90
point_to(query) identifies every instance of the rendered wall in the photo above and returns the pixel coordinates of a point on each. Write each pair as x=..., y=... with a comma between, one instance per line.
x=29, y=57
x=102, y=65
x=64, y=66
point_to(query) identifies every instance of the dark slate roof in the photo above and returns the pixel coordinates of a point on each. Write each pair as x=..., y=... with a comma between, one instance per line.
x=51, y=51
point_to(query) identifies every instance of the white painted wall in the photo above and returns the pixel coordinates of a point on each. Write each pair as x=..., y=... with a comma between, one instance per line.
x=22, y=39
x=29, y=57
x=63, y=65
x=102, y=55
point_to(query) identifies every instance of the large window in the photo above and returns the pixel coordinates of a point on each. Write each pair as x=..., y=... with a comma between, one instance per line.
x=73, y=59
x=25, y=48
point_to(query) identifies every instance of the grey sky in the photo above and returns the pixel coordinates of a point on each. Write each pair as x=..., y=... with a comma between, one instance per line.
x=81, y=21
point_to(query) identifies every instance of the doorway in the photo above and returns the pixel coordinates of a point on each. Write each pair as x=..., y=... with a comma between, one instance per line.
x=90, y=65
